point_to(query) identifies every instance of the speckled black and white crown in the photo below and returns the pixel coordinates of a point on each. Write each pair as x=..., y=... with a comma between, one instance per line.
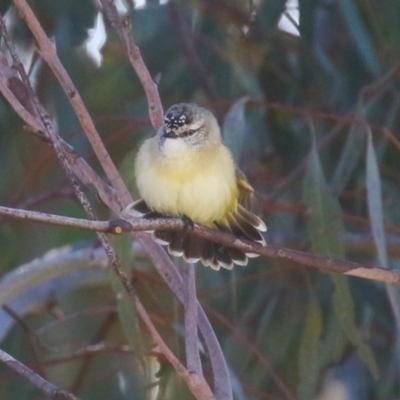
x=179, y=115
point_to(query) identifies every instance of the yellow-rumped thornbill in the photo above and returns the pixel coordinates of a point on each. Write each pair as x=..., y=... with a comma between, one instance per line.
x=185, y=170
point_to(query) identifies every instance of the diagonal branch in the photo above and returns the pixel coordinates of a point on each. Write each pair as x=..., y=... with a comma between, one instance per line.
x=124, y=30
x=50, y=390
x=193, y=361
x=49, y=53
x=78, y=165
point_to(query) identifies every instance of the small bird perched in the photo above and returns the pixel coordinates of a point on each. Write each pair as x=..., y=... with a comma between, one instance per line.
x=187, y=171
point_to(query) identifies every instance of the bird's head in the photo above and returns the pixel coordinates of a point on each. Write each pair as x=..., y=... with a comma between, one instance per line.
x=189, y=126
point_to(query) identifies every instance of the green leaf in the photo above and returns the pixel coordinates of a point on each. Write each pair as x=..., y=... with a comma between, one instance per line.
x=122, y=244
x=309, y=357
x=334, y=342
x=375, y=209
x=127, y=312
x=307, y=14
x=326, y=230
x=360, y=35
x=343, y=306
x=350, y=155
x=5, y=4
x=325, y=224
x=234, y=127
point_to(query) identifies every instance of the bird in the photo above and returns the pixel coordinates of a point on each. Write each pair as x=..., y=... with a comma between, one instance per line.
x=186, y=171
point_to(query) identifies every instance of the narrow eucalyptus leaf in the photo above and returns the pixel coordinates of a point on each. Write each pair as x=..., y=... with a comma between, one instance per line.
x=374, y=197
x=325, y=224
x=349, y=158
x=360, y=35
x=309, y=357
x=325, y=227
x=344, y=308
x=127, y=312
x=234, y=127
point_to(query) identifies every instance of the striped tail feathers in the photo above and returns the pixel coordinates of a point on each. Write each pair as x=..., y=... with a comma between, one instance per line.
x=216, y=256
x=139, y=206
x=184, y=244
x=194, y=248
x=245, y=225
x=163, y=237
x=222, y=258
x=176, y=247
x=241, y=222
x=207, y=255
x=181, y=243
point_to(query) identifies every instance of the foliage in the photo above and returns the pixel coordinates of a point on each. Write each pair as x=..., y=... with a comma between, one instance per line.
x=313, y=121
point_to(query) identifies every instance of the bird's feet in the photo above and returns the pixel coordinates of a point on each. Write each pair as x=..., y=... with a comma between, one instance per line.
x=188, y=224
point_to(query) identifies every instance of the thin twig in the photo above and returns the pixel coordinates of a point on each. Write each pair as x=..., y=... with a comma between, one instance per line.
x=84, y=366
x=50, y=390
x=193, y=361
x=78, y=165
x=301, y=167
x=374, y=88
x=32, y=337
x=348, y=119
x=124, y=30
x=250, y=347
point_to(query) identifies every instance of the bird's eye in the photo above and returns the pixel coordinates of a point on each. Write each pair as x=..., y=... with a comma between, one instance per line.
x=189, y=132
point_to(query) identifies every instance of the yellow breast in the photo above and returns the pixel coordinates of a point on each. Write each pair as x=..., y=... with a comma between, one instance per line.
x=201, y=184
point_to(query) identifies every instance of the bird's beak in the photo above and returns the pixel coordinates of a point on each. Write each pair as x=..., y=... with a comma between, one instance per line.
x=169, y=134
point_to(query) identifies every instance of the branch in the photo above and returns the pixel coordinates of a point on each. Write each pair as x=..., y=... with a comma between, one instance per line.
x=78, y=165
x=124, y=30
x=193, y=361
x=49, y=53
x=196, y=383
x=50, y=390
x=227, y=239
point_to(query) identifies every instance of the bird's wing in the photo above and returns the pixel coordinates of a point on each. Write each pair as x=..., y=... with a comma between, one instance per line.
x=247, y=195
x=244, y=221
